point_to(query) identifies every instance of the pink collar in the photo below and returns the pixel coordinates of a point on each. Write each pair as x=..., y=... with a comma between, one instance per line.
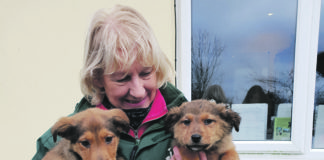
x=158, y=110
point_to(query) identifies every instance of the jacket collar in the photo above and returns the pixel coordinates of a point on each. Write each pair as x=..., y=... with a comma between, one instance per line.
x=158, y=109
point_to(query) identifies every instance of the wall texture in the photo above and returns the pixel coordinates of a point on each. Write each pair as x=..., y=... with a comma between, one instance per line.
x=41, y=53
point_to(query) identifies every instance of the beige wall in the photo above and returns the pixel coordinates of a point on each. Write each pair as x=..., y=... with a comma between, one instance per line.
x=41, y=49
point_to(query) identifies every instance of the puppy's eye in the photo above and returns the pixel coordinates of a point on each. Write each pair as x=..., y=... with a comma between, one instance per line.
x=108, y=140
x=208, y=121
x=186, y=122
x=85, y=143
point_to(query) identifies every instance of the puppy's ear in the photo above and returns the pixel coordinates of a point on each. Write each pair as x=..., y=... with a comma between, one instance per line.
x=232, y=117
x=172, y=117
x=64, y=128
x=119, y=119
x=235, y=119
x=120, y=123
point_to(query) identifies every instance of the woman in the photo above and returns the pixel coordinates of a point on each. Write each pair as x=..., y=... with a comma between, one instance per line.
x=125, y=68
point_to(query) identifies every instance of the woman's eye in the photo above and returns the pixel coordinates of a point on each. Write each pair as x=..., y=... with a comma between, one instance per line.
x=108, y=140
x=125, y=79
x=85, y=143
x=146, y=73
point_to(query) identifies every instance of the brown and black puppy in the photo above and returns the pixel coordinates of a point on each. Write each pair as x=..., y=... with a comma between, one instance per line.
x=92, y=134
x=201, y=125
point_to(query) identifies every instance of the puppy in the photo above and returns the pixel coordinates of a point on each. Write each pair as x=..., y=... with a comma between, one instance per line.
x=201, y=127
x=92, y=134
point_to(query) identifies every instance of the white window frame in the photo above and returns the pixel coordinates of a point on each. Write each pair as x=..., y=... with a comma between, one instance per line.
x=300, y=146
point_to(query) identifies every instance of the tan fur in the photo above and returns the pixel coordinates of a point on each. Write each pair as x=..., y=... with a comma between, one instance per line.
x=202, y=125
x=89, y=135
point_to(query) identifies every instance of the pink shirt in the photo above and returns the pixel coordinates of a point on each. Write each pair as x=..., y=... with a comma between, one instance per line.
x=158, y=110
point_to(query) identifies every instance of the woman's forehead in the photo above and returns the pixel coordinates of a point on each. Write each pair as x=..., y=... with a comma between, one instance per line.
x=123, y=69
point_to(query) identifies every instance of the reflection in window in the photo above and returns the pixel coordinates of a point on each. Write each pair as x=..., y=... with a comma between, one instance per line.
x=245, y=51
x=318, y=129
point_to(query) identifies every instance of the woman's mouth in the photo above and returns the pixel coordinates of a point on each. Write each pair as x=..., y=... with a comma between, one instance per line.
x=136, y=103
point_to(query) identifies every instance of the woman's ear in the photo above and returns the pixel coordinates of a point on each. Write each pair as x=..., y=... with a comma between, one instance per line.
x=98, y=82
x=97, y=75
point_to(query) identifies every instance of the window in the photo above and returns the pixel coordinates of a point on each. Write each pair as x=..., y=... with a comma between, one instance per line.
x=284, y=67
x=244, y=56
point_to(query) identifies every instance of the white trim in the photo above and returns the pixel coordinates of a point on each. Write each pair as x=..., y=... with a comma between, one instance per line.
x=314, y=24
x=305, y=71
x=183, y=49
x=300, y=146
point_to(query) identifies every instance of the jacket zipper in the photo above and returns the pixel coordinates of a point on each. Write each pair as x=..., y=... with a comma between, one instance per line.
x=137, y=141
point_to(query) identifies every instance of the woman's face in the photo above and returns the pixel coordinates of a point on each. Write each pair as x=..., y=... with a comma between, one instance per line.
x=136, y=89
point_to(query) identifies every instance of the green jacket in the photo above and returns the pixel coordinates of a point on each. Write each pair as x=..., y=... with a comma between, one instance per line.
x=153, y=143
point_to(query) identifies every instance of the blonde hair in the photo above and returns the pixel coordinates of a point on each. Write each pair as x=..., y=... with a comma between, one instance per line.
x=112, y=38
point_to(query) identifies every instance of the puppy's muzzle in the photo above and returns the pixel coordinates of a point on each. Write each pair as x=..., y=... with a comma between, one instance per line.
x=196, y=138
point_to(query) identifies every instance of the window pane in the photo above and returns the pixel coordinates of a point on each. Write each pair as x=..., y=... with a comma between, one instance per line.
x=243, y=55
x=318, y=129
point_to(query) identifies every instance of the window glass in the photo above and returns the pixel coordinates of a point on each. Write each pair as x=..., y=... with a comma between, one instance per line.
x=243, y=55
x=318, y=129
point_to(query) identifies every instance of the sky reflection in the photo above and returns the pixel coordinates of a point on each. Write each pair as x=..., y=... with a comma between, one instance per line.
x=259, y=40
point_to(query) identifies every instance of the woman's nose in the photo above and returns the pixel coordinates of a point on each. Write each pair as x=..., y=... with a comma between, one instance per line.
x=137, y=89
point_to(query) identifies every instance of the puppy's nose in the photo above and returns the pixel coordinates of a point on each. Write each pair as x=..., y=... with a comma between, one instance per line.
x=196, y=138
